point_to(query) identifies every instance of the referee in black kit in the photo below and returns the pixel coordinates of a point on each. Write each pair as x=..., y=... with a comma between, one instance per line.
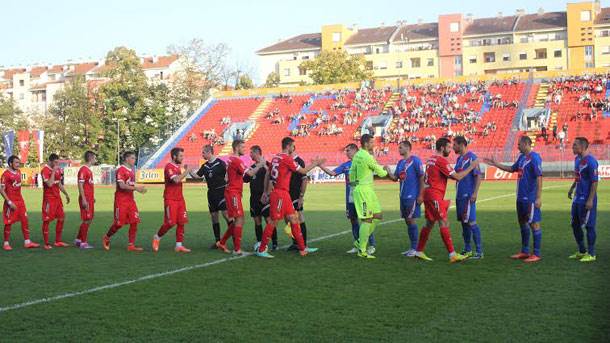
x=214, y=171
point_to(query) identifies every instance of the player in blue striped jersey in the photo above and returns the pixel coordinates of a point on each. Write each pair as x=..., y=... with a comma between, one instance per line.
x=466, y=198
x=584, y=203
x=410, y=173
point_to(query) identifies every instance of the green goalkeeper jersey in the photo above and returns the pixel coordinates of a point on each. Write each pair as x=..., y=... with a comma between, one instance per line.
x=363, y=168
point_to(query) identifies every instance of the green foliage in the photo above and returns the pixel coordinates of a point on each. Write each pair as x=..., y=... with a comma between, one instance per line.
x=245, y=82
x=337, y=67
x=273, y=80
x=71, y=124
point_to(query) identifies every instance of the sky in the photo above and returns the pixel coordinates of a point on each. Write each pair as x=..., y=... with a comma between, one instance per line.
x=55, y=31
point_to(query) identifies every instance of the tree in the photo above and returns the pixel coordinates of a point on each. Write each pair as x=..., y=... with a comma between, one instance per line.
x=11, y=118
x=244, y=82
x=273, y=80
x=71, y=123
x=337, y=67
x=126, y=105
x=202, y=69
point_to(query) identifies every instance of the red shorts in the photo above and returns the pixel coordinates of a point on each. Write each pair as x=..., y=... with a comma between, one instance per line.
x=280, y=205
x=234, y=207
x=52, y=208
x=436, y=209
x=86, y=214
x=126, y=212
x=11, y=216
x=174, y=212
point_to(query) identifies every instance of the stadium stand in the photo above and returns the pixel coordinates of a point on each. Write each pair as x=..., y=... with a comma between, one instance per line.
x=484, y=111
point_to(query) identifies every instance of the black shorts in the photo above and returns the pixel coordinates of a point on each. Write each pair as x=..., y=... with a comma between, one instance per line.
x=216, y=200
x=295, y=201
x=257, y=208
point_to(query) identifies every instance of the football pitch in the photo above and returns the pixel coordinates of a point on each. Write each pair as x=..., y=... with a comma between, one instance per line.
x=73, y=295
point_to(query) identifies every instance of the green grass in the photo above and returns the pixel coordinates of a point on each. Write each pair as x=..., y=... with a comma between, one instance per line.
x=329, y=296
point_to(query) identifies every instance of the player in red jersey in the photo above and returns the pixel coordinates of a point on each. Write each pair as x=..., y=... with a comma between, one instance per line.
x=282, y=167
x=52, y=206
x=174, y=206
x=125, y=209
x=236, y=169
x=437, y=173
x=14, y=207
x=86, y=199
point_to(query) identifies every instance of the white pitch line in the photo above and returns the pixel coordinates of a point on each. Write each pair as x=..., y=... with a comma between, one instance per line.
x=193, y=267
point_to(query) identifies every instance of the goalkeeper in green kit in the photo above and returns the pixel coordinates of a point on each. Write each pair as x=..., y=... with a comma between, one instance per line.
x=365, y=200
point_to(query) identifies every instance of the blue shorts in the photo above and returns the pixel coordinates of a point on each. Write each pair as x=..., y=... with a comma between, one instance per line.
x=350, y=210
x=466, y=210
x=583, y=217
x=527, y=212
x=410, y=209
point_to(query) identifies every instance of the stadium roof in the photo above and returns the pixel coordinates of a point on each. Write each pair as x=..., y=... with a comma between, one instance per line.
x=301, y=42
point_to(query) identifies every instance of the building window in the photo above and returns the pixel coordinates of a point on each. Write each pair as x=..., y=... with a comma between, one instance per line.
x=540, y=54
x=585, y=15
x=506, y=57
x=377, y=50
x=589, y=65
x=489, y=57
x=305, y=57
x=21, y=96
x=287, y=72
x=523, y=56
x=557, y=53
x=336, y=37
x=472, y=59
x=589, y=51
x=416, y=62
x=430, y=62
x=21, y=83
x=161, y=75
x=606, y=50
x=382, y=65
x=454, y=27
x=458, y=60
x=369, y=65
x=302, y=71
x=398, y=64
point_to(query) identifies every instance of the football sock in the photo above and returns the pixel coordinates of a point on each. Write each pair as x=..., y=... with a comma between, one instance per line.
x=467, y=234
x=163, y=230
x=355, y=230
x=525, y=238
x=579, y=236
x=133, y=230
x=227, y=234
x=45, y=232
x=476, y=236
x=591, y=237
x=179, y=234
x=446, y=235
x=25, y=229
x=7, y=233
x=83, y=231
x=274, y=237
x=258, y=231
x=537, y=241
x=298, y=236
x=59, y=229
x=304, y=232
x=269, y=229
x=365, y=229
x=237, y=231
x=423, y=238
x=412, y=231
x=216, y=229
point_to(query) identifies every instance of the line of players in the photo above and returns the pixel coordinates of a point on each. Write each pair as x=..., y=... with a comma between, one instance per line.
x=278, y=188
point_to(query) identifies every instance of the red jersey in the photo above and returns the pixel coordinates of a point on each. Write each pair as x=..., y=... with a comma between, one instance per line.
x=173, y=190
x=11, y=182
x=437, y=172
x=53, y=191
x=282, y=167
x=235, y=174
x=85, y=178
x=125, y=175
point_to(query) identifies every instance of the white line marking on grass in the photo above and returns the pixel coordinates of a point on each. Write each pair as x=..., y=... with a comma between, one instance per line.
x=193, y=267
